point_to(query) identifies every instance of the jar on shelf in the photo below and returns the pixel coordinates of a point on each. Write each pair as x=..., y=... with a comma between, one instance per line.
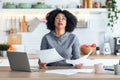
x=97, y=50
x=80, y=5
x=108, y=3
x=97, y=4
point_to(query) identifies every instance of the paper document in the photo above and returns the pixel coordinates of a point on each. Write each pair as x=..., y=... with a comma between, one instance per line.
x=80, y=60
x=69, y=71
x=49, y=56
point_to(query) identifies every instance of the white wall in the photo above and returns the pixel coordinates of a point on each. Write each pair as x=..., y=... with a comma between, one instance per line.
x=93, y=34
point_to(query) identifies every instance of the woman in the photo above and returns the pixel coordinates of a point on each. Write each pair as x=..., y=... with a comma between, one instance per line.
x=61, y=23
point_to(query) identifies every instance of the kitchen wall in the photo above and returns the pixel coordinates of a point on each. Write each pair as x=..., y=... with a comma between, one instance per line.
x=93, y=34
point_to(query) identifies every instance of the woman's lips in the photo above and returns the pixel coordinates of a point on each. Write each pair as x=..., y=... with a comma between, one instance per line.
x=60, y=23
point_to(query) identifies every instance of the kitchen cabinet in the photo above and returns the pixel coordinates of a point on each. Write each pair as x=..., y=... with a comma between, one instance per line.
x=34, y=62
x=5, y=62
x=108, y=60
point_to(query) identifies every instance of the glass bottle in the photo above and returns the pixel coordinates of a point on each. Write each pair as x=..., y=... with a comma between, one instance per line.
x=97, y=50
x=1, y=4
x=108, y=3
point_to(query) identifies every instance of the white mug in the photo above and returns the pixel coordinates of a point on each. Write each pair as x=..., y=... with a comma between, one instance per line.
x=98, y=68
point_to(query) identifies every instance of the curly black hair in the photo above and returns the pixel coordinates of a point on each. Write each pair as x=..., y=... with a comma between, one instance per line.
x=71, y=20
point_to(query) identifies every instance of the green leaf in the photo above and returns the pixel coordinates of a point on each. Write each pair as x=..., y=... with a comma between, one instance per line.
x=108, y=24
x=112, y=14
x=109, y=9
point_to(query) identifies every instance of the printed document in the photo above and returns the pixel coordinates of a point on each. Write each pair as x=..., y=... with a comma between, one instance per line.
x=69, y=71
x=80, y=60
x=49, y=55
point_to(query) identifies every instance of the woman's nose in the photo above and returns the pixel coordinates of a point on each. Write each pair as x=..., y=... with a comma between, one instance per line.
x=60, y=19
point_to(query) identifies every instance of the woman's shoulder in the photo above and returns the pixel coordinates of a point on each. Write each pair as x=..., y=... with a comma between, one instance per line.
x=72, y=35
x=74, y=38
x=47, y=34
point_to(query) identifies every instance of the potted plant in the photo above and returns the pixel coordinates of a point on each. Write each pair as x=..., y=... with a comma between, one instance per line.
x=3, y=48
x=113, y=11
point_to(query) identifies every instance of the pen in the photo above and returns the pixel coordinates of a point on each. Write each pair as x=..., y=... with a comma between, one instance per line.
x=109, y=69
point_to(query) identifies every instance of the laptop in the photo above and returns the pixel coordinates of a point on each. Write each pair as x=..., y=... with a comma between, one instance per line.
x=19, y=62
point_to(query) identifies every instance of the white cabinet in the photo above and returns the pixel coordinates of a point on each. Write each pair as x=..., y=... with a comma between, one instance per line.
x=5, y=62
x=34, y=62
x=106, y=62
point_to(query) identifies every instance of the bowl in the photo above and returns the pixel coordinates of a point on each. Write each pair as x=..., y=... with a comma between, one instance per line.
x=40, y=6
x=9, y=5
x=86, y=50
x=25, y=5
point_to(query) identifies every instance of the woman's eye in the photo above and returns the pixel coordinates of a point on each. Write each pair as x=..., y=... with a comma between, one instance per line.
x=63, y=18
x=57, y=18
x=60, y=18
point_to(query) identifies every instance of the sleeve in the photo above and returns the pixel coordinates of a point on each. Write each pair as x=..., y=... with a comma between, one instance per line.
x=43, y=43
x=59, y=63
x=76, y=49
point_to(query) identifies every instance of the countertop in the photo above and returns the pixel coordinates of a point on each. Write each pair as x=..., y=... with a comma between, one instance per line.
x=35, y=56
x=7, y=74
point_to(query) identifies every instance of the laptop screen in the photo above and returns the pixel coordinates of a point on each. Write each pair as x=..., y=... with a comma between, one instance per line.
x=18, y=61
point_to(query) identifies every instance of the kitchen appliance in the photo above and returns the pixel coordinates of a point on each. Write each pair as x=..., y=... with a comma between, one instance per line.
x=106, y=48
x=106, y=45
x=117, y=45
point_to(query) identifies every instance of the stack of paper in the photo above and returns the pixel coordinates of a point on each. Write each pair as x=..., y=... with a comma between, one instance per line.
x=69, y=71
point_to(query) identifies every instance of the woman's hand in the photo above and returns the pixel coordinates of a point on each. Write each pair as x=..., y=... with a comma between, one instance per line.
x=79, y=66
x=43, y=65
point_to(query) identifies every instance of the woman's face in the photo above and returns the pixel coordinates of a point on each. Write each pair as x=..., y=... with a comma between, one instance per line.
x=60, y=21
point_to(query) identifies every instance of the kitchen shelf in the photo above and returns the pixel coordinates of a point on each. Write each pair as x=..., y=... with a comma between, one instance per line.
x=74, y=10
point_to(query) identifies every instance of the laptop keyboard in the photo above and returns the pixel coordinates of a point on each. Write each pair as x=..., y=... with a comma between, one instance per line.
x=34, y=69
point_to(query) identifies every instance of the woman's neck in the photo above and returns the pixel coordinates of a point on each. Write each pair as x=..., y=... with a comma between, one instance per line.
x=60, y=32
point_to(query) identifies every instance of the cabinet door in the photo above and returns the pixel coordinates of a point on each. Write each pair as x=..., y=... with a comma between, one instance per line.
x=106, y=62
x=5, y=62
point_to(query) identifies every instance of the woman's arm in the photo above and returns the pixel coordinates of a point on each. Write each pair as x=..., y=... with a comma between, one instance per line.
x=76, y=52
x=59, y=63
x=76, y=49
x=44, y=43
x=42, y=47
